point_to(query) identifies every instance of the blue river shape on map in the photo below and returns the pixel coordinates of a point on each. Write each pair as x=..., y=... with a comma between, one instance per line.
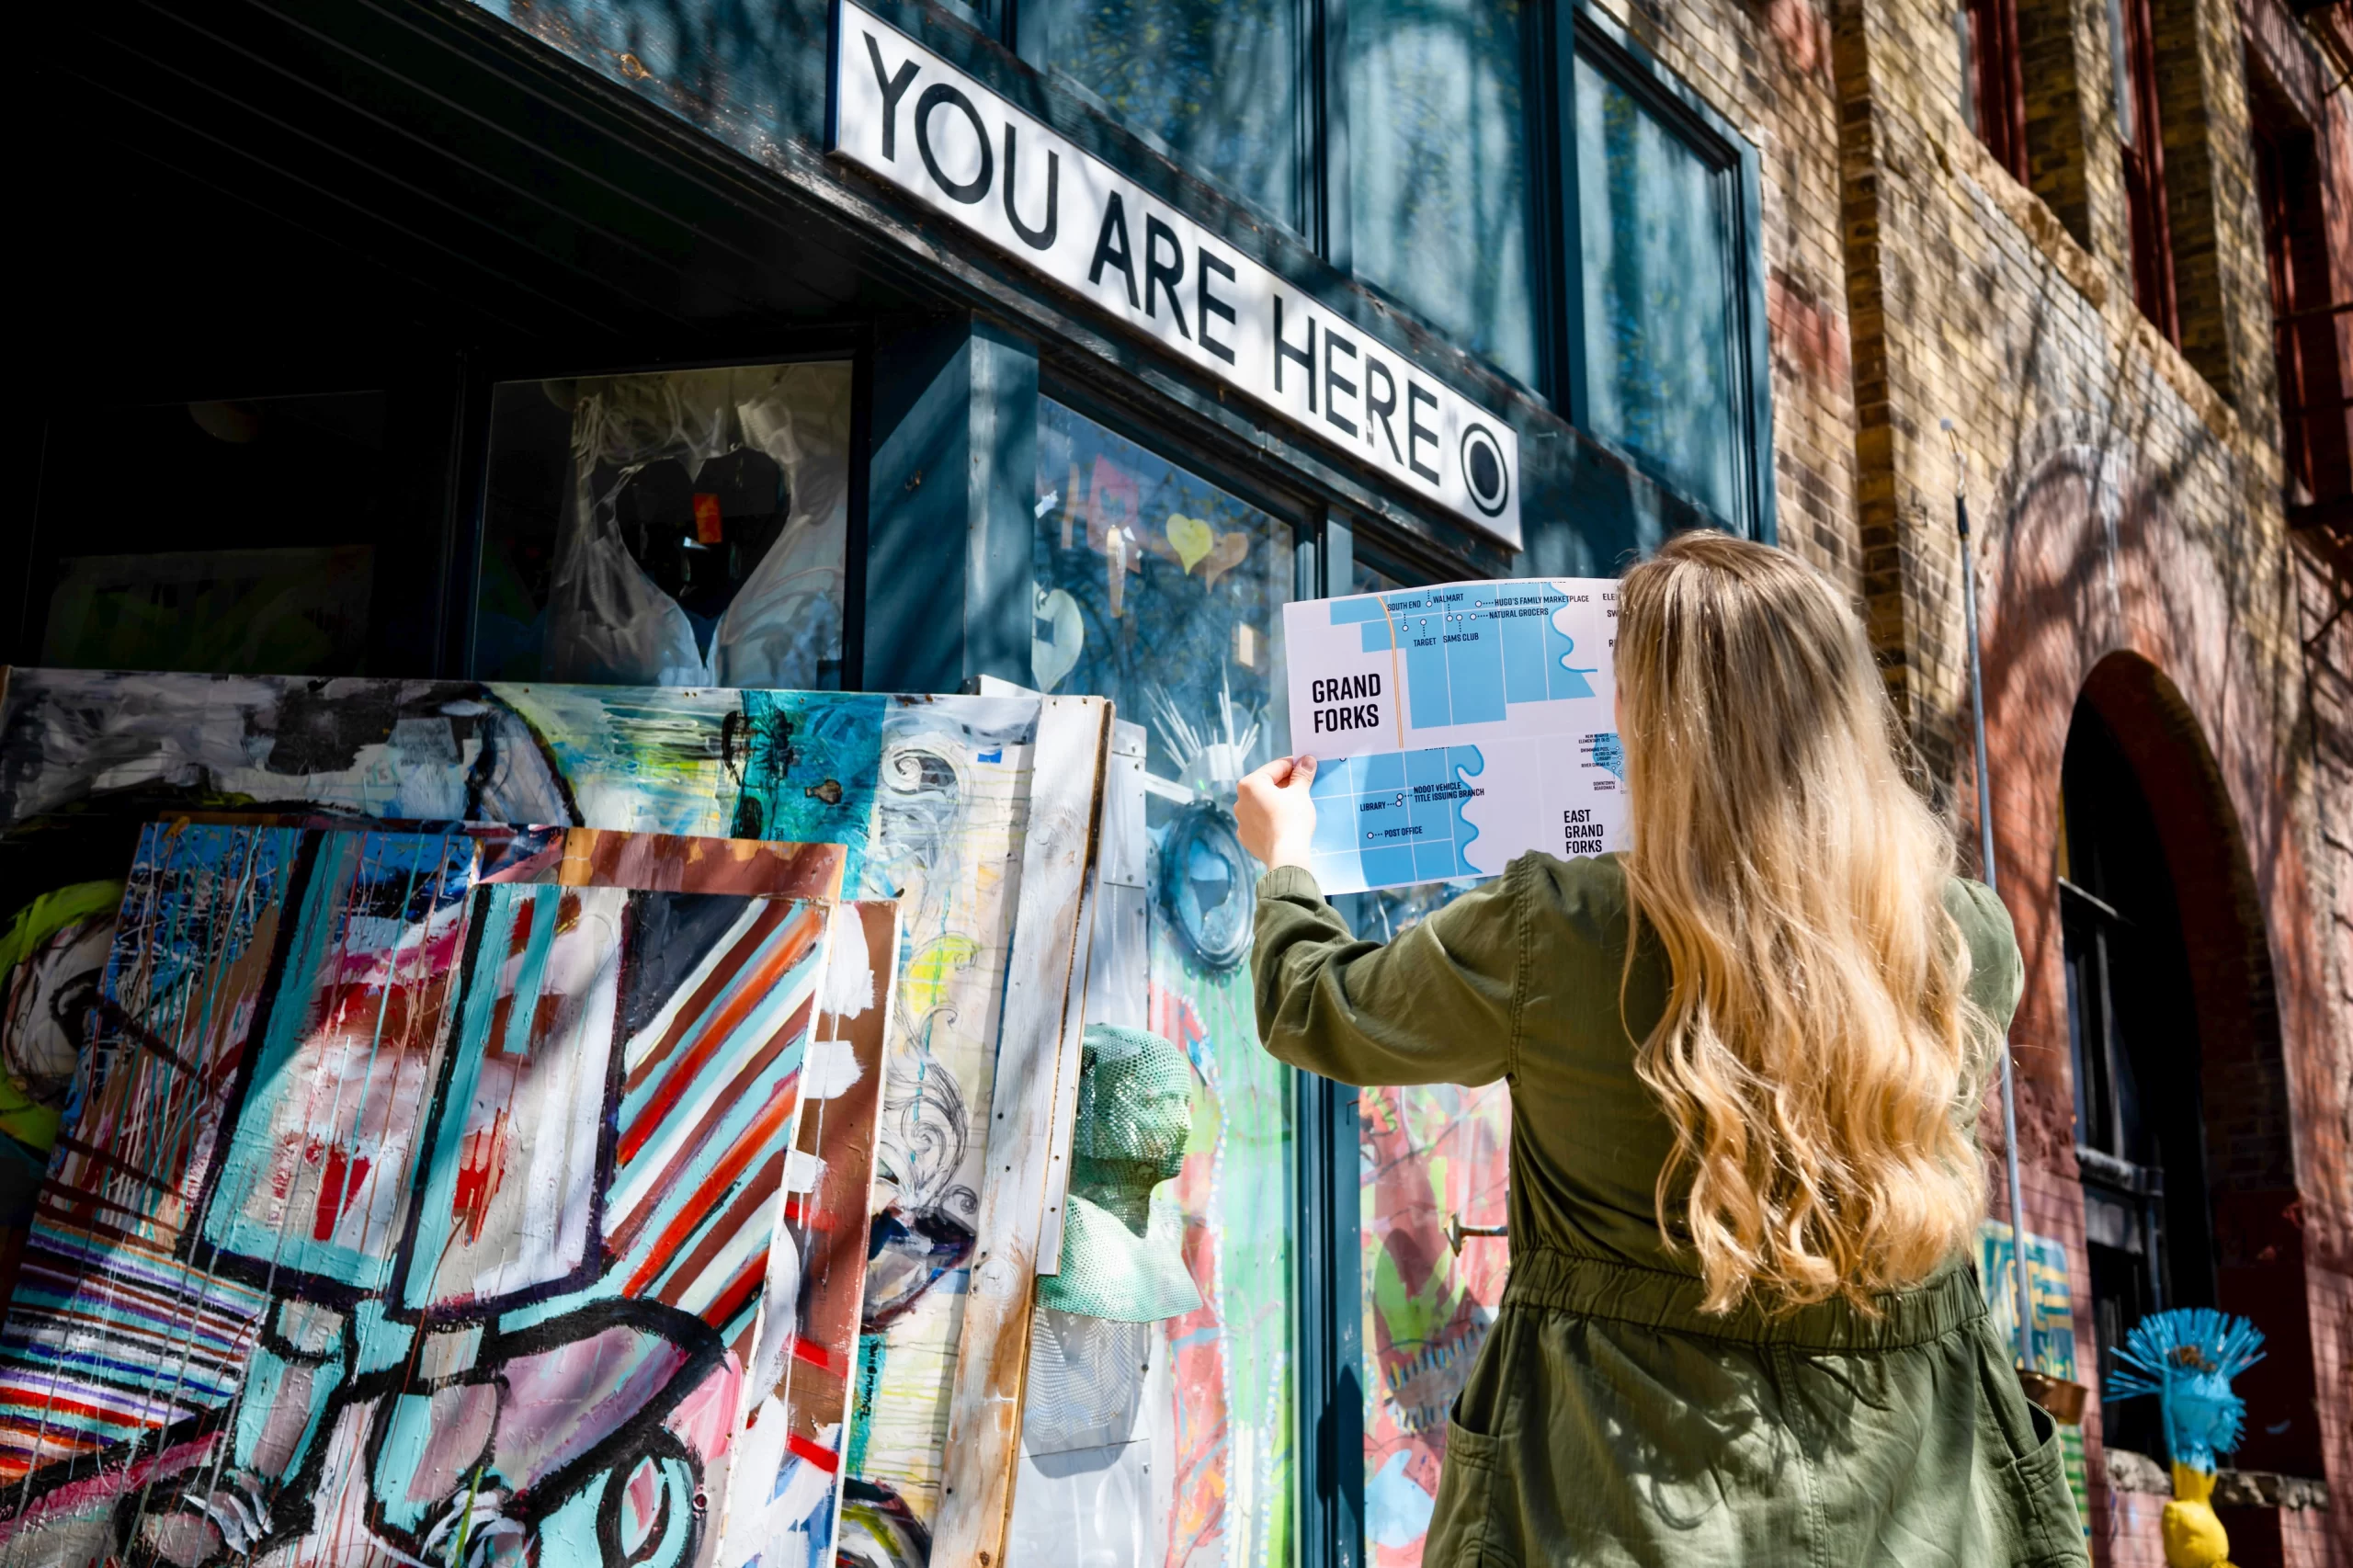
x=1496, y=659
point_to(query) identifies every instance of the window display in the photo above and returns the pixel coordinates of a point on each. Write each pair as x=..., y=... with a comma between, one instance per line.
x=1164, y=592
x=683, y=528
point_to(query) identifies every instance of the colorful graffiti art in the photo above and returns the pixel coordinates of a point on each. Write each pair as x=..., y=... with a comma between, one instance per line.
x=1436, y=1158
x=401, y=1217
x=927, y=797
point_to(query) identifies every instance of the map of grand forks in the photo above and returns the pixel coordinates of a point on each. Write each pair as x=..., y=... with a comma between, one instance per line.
x=1457, y=727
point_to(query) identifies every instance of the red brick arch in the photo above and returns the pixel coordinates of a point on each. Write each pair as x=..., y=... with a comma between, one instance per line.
x=2095, y=588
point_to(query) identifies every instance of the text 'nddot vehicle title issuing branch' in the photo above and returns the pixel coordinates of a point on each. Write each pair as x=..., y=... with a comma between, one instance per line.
x=907, y=116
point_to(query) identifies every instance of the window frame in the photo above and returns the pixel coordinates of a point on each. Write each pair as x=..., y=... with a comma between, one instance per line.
x=1553, y=34
x=1994, y=81
x=1591, y=35
x=2142, y=156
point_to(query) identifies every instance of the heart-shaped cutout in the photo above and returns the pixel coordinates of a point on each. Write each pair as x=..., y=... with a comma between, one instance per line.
x=1056, y=639
x=1231, y=551
x=1192, y=538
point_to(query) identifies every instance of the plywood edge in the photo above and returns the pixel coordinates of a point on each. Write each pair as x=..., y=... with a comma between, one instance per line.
x=1038, y=1032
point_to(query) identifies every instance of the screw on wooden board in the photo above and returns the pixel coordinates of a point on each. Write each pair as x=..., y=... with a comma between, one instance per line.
x=1456, y=1230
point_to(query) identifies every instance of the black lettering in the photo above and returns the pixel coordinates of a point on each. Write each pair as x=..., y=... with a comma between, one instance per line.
x=1159, y=274
x=1036, y=239
x=1306, y=358
x=1115, y=221
x=1209, y=305
x=1336, y=383
x=893, y=89
x=1378, y=408
x=1416, y=431
x=968, y=191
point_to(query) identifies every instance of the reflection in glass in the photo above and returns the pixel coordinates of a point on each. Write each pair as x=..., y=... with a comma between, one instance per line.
x=1164, y=592
x=678, y=528
x=1437, y=168
x=1658, y=314
x=1428, y=1154
x=1215, y=82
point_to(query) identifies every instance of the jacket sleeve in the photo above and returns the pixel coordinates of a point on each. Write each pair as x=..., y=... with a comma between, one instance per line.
x=1438, y=1004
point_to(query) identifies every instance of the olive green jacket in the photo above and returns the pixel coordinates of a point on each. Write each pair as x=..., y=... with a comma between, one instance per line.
x=1607, y=1420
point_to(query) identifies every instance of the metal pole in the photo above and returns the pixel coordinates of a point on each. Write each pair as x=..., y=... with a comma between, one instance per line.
x=1985, y=861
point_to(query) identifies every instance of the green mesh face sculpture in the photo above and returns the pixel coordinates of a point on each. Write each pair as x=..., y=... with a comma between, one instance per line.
x=1122, y=1258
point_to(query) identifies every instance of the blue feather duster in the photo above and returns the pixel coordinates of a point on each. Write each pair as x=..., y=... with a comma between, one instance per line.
x=2187, y=1357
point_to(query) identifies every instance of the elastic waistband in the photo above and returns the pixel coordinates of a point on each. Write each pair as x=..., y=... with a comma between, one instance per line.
x=1550, y=1280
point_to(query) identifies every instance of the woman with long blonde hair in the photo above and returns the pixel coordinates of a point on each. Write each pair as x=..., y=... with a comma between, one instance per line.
x=1745, y=1056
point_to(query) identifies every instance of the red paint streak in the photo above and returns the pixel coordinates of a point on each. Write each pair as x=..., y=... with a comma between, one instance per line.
x=815, y=1354
x=823, y=1459
x=722, y=974
x=643, y=1494
x=664, y=1250
x=739, y=1293
x=752, y=991
x=334, y=1194
x=479, y=1175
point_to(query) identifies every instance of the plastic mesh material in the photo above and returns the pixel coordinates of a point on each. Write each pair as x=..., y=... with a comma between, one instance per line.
x=1123, y=1254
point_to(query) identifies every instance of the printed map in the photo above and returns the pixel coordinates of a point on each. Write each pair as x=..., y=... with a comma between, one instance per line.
x=1457, y=727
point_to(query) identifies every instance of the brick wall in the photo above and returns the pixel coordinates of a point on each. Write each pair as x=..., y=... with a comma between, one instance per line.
x=2127, y=494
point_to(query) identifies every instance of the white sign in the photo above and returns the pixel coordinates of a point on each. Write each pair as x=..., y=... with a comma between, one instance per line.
x=1457, y=727
x=907, y=116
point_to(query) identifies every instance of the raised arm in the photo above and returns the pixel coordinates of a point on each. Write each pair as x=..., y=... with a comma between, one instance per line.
x=1438, y=1004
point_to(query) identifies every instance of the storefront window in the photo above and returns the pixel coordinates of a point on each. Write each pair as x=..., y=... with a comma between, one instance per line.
x=1436, y=1168
x=680, y=528
x=1216, y=83
x=1164, y=592
x=1439, y=169
x=1658, y=312
x=259, y=537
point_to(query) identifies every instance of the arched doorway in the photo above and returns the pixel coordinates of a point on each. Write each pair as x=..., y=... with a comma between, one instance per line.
x=2182, y=1132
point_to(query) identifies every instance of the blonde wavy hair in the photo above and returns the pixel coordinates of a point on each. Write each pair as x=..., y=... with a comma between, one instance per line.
x=1819, y=1050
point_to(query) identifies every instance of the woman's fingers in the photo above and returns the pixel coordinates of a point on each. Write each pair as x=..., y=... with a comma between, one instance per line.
x=1273, y=811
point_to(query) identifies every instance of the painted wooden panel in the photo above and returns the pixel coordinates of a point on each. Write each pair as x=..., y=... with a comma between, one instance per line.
x=785, y=1480
x=459, y=1213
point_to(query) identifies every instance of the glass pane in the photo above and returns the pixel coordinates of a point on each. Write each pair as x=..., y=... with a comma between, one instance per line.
x=1438, y=174
x=680, y=528
x=1165, y=594
x=1430, y=1155
x=1215, y=82
x=242, y=538
x=1659, y=274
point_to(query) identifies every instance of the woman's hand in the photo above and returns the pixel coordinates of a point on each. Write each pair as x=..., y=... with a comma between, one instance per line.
x=1274, y=813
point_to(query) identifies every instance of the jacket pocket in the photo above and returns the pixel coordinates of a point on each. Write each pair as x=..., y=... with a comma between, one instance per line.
x=1462, y=1531
x=1473, y=1475
x=2049, y=1531
x=2033, y=1472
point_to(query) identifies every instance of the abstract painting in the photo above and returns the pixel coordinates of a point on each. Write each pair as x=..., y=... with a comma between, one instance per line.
x=927, y=797
x=402, y=1217
x=784, y=1484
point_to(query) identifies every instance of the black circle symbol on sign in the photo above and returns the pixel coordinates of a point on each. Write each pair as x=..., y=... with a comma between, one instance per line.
x=966, y=191
x=1484, y=474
